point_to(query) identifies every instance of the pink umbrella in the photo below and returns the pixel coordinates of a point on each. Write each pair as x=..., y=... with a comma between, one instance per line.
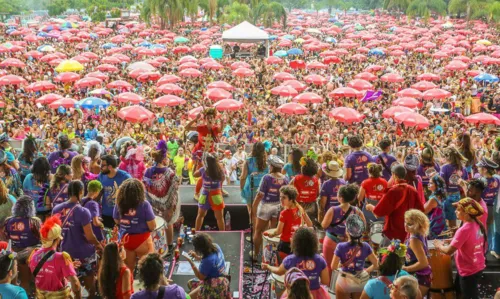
x=440, y=55
x=193, y=113
x=424, y=85
x=228, y=105
x=292, y=108
x=428, y=77
x=88, y=82
x=346, y=115
x=120, y=84
x=239, y=64
x=169, y=100
x=482, y=118
x=274, y=60
x=107, y=68
x=283, y=76
x=170, y=88
x=308, y=98
x=456, y=65
x=409, y=92
x=98, y=75
x=149, y=76
x=408, y=102
x=136, y=114
x=435, y=93
x=168, y=79
x=360, y=84
x=110, y=60
x=332, y=60
x=315, y=79
x=346, y=92
x=395, y=110
x=412, y=119
x=243, y=72
x=366, y=76
x=284, y=91
x=190, y=73
x=48, y=98
x=297, y=85
x=374, y=68
x=316, y=66
x=217, y=94
x=187, y=58
x=359, y=57
x=213, y=66
x=12, y=80
x=189, y=65
x=131, y=97
x=220, y=84
x=34, y=54
x=41, y=86
x=392, y=77
x=12, y=62
x=64, y=102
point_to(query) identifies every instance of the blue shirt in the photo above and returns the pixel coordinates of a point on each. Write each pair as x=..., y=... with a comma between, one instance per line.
x=90, y=134
x=214, y=265
x=377, y=289
x=8, y=290
x=110, y=186
x=289, y=170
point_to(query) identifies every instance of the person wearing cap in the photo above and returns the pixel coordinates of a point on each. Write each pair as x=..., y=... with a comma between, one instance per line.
x=230, y=164
x=297, y=284
x=356, y=163
x=427, y=163
x=305, y=258
x=51, y=280
x=396, y=201
x=9, y=176
x=267, y=201
x=63, y=155
x=385, y=158
x=330, y=187
x=350, y=256
x=434, y=207
x=468, y=246
x=452, y=172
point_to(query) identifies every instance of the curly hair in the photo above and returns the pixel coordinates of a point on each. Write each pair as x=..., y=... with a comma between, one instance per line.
x=311, y=168
x=4, y=193
x=349, y=193
x=150, y=270
x=375, y=170
x=130, y=195
x=125, y=146
x=203, y=244
x=296, y=154
x=420, y=221
x=327, y=156
x=355, y=141
x=290, y=191
x=385, y=143
x=64, y=142
x=304, y=243
x=390, y=264
x=259, y=153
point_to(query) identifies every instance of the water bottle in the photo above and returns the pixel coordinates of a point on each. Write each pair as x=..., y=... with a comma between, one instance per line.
x=227, y=220
x=182, y=233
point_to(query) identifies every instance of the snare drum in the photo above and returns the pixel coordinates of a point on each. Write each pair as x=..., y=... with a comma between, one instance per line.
x=277, y=285
x=270, y=249
x=159, y=236
x=442, y=276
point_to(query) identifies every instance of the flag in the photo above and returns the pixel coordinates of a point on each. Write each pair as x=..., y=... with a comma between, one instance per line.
x=371, y=95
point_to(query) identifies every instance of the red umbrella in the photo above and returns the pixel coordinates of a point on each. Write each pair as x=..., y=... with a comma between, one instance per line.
x=181, y=49
x=284, y=91
x=366, y=76
x=308, y=98
x=315, y=65
x=297, y=64
x=346, y=92
x=346, y=115
x=136, y=114
x=213, y=66
x=473, y=73
x=392, y=77
x=97, y=75
x=297, y=85
x=34, y=54
x=283, y=76
x=193, y=113
x=228, y=105
x=332, y=60
x=107, y=68
x=168, y=79
x=12, y=62
x=424, y=85
x=456, y=65
x=64, y=102
x=149, y=76
x=436, y=93
x=220, y=84
x=374, y=68
x=12, y=80
x=88, y=82
x=274, y=60
x=482, y=118
x=408, y=102
x=412, y=119
x=409, y=92
x=292, y=108
x=428, y=77
x=395, y=110
x=169, y=100
x=190, y=73
x=131, y=97
x=315, y=79
x=136, y=73
x=217, y=94
x=170, y=88
x=239, y=64
x=189, y=65
x=120, y=84
x=243, y=72
x=360, y=84
x=41, y=86
x=48, y=98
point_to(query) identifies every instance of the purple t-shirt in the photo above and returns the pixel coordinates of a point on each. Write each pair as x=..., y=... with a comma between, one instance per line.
x=421, y=172
x=135, y=221
x=345, y=251
x=338, y=214
x=450, y=171
x=74, y=241
x=171, y=292
x=95, y=211
x=58, y=195
x=411, y=258
x=311, y=267
x=358, y=163
x=19, y=231
x=490, y=193
x=388, y=161
x=270, y=187
x=209, y=185
x=330, y=189
x=60, y=157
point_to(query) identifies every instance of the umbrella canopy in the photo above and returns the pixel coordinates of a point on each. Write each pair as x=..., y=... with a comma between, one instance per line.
x=408, y=102
x=69, y=66
x=283, y=76
x=243, y=72
x=360, y=84
x=297, y=85
x=92, y=102
x=292, y=108
x=64, y=102
x=220, y=84
x=366, y=76
x=228, y=105
x=484, y=77
x=483, y=118
x=48, y=98
x=88, y=82
x=217, y=94
x=346, y=92
x=193, y=113
x=308, y=98
x=315, y=79
x=168, y=79
x=100, y=91
x=284, y=91
x=141, y=65
x=346, y=115
x=409, y=92
x=131, y=97
x=41, y=86
x=136, y=114
x=412, y=119
x=424, y=85
x=456, y=65
x=170, y=88
x=392, y=77
x=168, y=100
x=12, y=62
x=395, y=110
x=436, y=93
x=120, y=84
x=12, y=80
x=190, y=72
x=107, y=68
x=428, y=77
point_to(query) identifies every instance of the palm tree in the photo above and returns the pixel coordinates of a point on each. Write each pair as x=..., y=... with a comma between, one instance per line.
x=268, y=13
x=168, y=12
x=236, y=13
x=473, y=9
x=424, y=8
x=399, y=5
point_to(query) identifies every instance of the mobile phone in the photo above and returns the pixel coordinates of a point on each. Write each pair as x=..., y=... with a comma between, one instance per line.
x=236, y=294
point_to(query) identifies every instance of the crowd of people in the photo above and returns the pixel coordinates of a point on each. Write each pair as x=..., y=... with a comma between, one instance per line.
x=385, y=193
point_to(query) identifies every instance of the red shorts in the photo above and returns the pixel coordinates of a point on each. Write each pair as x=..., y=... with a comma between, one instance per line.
x=132, y=242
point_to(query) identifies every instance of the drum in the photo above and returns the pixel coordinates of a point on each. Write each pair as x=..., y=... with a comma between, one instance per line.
x=277, y=285
x=376, y=235
x=159, y=236
x=269, y=249
x=321, y=235
x=442, y=286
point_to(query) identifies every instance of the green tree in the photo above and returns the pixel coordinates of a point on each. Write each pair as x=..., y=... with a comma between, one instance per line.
x=116, y=13
x=472, y=9
x=268, y=13
x=12, y=6
x=291, y=4
x=57, y=7
x=236, y=13
x=398, y=5
x=167, y=12
x=424, y=8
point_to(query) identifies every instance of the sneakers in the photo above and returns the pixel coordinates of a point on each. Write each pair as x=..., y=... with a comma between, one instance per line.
x=494, y=254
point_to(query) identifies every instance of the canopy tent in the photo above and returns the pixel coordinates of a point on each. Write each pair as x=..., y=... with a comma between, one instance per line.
x=246, y=33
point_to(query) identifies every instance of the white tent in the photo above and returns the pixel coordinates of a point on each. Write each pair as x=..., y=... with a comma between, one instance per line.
x=246, y=33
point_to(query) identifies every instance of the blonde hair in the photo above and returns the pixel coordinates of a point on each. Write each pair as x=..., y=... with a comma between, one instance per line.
x=76, y=166
x=420, y=220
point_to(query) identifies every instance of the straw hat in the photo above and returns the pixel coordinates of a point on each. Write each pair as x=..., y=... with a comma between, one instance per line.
x=333, y=169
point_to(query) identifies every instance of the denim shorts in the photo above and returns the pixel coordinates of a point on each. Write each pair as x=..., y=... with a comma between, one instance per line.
x=449, y=209
x=268, y=210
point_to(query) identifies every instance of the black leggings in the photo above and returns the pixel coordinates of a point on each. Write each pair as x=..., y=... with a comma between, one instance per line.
x=467, y=285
